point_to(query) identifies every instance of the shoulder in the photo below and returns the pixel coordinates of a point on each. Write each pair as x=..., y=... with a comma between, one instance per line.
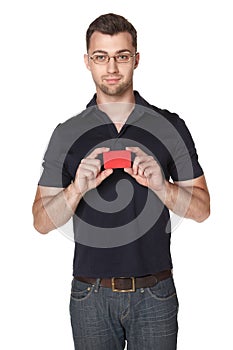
x=165, y=113
x=171, y=117
x=71, y=123
x=76, y=125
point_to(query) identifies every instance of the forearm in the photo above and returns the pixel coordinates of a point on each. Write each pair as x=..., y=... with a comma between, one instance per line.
x=54, y=211
x=188, y=202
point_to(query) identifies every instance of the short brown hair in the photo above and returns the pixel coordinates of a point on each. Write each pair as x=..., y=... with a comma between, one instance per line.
x=111, y=24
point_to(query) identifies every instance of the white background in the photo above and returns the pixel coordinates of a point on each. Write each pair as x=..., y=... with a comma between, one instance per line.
x=186, y=67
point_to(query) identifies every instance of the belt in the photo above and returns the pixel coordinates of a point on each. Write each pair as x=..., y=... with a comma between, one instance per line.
x=128, y=284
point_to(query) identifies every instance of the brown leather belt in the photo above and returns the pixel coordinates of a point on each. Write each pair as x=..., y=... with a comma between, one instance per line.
x=128, y=284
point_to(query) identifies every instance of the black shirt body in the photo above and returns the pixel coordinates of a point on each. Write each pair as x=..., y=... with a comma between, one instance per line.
x=121, y=228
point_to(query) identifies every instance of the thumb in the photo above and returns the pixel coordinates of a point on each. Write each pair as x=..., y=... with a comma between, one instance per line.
x=103, y=175
x=128, y=171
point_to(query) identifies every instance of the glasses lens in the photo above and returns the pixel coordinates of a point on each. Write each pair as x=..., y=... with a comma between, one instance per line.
x=120, y=58
x=100, y=59
x=123, y=57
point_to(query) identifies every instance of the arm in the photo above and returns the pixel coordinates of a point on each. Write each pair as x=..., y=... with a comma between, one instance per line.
x=189, y=199
x=53, y=207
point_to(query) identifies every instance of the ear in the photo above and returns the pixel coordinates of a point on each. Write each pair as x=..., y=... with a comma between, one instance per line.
x=86, y=61
x=137, y=59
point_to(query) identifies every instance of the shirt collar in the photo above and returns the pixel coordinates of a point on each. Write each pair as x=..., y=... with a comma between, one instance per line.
x=139, y=100
x=141, y=106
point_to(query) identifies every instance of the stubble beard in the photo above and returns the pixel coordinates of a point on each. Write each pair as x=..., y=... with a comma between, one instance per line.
x=114, y=91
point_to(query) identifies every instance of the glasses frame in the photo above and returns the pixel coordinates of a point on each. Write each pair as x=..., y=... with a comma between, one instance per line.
x=114, y=56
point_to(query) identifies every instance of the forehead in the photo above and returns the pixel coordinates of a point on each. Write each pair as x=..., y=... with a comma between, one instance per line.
x=111, y=43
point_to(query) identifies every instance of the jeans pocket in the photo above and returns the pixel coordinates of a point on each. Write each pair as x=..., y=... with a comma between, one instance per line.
x=163, y=290
x=80, y=290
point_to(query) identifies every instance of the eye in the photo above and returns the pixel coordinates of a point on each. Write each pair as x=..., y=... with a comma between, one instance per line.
x=125, y=57
x=100, y=58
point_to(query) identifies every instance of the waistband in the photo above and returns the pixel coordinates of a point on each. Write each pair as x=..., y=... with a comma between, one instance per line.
x=128, y=284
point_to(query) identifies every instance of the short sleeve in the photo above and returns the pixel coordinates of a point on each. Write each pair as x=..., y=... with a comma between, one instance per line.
x=54, y=173
x=184, y=164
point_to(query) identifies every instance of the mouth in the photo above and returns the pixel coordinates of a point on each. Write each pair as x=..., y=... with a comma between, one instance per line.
x=112, y=80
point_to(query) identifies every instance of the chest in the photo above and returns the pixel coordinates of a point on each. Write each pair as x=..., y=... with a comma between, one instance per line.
x=127, y=136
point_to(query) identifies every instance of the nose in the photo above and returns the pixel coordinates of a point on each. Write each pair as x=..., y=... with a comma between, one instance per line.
x=112, y=66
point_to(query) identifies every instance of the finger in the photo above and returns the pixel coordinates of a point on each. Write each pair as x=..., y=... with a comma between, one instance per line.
x=103, y=175
x=89, y=174
x=92, y=162
x=136, y=150
x=89, y=170
x=137, y=163
x=143, y=162
x=148, y=171
x=129, y=171
x=145, y=166
x=97, y=151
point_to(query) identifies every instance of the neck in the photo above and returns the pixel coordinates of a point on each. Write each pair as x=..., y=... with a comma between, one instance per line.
x=127, y=97
x=118, y=108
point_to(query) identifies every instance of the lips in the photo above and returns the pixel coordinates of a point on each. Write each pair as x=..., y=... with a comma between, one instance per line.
x=112, y=80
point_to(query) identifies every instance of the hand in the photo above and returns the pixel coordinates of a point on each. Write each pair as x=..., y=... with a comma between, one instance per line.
x=88, y=175
x=145, y=170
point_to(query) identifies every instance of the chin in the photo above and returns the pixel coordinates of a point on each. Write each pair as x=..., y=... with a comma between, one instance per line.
x=117, y=91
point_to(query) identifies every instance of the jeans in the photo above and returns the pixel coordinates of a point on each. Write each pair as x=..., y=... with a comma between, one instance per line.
x=103, y=320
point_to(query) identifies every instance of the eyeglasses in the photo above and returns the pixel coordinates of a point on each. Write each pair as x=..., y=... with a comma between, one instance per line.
x=105, y=58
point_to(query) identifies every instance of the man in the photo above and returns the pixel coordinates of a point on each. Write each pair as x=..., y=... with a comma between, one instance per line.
x=117, y=169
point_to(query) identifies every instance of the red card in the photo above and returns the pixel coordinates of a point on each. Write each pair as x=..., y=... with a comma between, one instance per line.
x=117, y=159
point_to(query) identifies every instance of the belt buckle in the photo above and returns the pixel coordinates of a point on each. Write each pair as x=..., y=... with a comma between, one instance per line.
x=132, y=289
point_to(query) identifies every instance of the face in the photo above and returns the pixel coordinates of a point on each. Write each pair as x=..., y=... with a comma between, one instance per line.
x=112, y=78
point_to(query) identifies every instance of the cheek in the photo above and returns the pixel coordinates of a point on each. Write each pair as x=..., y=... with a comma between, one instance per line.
x=129, y=72
x=98, y=71
x=95, y=74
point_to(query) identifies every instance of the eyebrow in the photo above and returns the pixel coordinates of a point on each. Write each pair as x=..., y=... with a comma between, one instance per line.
x=106, y=53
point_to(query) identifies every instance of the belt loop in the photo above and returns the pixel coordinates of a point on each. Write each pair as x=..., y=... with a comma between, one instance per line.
x=97, y=285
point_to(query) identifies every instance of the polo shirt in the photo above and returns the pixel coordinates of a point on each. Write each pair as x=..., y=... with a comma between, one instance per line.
x=121, y=228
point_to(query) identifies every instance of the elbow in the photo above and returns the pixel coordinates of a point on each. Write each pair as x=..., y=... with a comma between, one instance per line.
x=40, y=223
x=203, y=211
x=203, y=215
x=40, y=228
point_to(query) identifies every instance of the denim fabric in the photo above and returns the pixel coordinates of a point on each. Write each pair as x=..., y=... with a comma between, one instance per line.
x=103, y=320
